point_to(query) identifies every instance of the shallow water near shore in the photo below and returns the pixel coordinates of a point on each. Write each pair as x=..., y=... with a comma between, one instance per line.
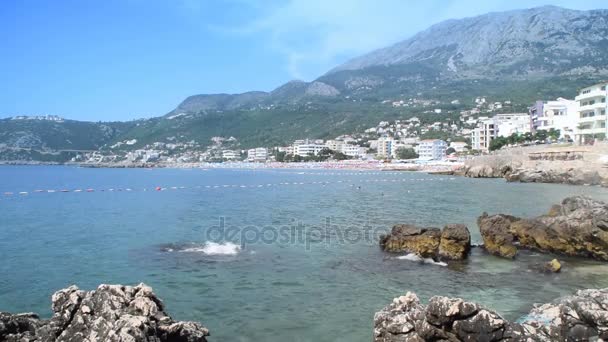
x=310, y=268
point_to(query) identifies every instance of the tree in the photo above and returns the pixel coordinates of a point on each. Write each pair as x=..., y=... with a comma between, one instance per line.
x=450, y=150
x=280, y=156
x=406, y=153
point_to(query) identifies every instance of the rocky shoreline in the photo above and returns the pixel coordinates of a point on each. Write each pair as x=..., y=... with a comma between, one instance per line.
x=579, y=317
x=112, y=313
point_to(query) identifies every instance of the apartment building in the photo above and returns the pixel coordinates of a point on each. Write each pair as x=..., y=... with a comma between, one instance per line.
x=483, y=134
x=352, y=150
x=561, y=114
x=259, y=154
x=309, y=149
x=385, y=147
x=591, y=119
x=459, y=146
x=432, y=149
x=230, y=155
x=334, y=145
x=513, y=123
x=501, y=125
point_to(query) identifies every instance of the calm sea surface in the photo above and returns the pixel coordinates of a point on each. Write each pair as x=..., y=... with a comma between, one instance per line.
x=309, y=268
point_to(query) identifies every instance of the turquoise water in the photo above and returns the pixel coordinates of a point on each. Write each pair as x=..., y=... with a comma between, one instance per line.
x=322, y=280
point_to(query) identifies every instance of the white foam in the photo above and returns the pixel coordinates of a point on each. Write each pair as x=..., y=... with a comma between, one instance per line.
x=214, y=248
x=414, y=257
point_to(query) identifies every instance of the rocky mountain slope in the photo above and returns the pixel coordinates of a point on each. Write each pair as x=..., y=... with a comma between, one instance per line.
x=520, y=56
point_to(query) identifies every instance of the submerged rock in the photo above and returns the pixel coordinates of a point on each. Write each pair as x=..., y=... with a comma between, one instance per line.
x=577, y=227
x=580, y=317
x=111, y=313
x=453, y=243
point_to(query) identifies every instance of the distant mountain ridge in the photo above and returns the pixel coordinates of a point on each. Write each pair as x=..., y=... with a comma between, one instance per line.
x=501, y=40
x=521, y=56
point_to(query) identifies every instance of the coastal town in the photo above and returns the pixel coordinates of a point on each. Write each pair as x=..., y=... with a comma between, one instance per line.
x=488, y=126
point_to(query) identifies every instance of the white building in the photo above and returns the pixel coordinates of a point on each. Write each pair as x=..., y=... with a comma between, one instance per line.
x=591, y=120
x=560, y=115
x=259, y=154
x=515, y=123
x=502, y=125
x=432, y=149
x=230, y=155
x=352, y=150
x=305, y=150
x=458, y=146
x=483, y=134
x=385, y=147
x=334, y=145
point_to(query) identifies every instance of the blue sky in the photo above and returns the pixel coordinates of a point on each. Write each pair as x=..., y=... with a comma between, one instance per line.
x=124, y=59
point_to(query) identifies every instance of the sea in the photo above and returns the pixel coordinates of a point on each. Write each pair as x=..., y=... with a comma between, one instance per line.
x=265, y=254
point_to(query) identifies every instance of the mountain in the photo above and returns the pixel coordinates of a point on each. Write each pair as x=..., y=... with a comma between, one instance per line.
x=546, y=40
x=520, y=56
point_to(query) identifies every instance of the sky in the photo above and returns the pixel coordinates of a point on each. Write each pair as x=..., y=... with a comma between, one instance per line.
x=111, y=60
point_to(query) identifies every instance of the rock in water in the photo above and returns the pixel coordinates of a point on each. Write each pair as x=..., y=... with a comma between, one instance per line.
x=453, y=243
x=497, y=238
x=113, y=313
x=581, y=317
x=409, y=238
x=577, y=227
x=553, y=266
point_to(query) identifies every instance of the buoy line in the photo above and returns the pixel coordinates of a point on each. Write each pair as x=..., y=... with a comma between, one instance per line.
x=221, y=186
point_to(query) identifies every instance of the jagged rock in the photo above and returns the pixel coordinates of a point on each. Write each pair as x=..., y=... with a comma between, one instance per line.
x=113, y=313
x=577, y=227
x=581, y=317
x=571, y=176
x=453, y=243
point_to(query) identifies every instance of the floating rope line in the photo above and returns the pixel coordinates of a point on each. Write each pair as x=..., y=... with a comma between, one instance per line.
x=218, y=186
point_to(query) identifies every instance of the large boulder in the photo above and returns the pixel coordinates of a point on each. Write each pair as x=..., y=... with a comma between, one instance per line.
x=411, y=239
x=577, y=227
x=453, y=243
x=497, y=238
x=113, y=313
x=580, y=317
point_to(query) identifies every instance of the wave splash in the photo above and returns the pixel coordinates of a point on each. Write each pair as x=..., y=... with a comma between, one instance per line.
x=414, y=257
x=214, y=248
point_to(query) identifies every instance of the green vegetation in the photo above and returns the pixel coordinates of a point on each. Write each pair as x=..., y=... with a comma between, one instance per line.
x=323, y=155
x=542, y=135
x=406, y=153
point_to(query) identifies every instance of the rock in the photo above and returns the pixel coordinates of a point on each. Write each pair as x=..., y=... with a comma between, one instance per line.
x=111, y=313
x=455, y=242
x=451, y=243
x=577, y=227
x=570, y=176
x=580, y=317
x=487, y=171
x=496, y=236
x=411, y=239
x=553, y=266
